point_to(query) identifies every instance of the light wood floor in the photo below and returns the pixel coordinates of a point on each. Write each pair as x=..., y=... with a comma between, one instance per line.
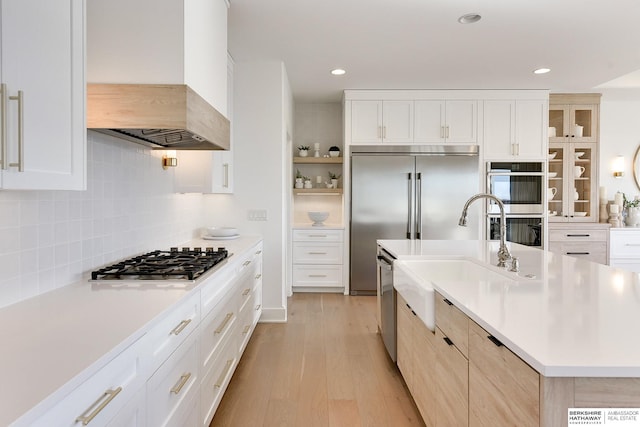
x=326, y=366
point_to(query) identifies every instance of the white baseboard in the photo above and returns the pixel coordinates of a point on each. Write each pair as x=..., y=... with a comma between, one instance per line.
x=273, y=315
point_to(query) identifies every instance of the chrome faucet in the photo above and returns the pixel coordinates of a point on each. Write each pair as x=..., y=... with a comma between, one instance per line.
x=503, y=252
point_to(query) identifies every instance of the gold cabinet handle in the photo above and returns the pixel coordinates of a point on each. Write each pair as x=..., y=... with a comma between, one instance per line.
x=258, y=307
x=180, y=327
x=246, y=292
x=246, y=330
x=258, y=276
x=317, y=235
x=225, y=183
x=20, y=164
x=244, y=264
x=3, y=123
x=258, y=252
x=88, y=415
x=181, y=382
x=317, y=253
x=224, y=323
x=224, y=373
x=317, y=275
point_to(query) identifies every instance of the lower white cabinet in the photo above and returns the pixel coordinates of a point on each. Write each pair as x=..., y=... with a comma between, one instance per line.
x=317, y=259
x=104, y=395
x=174, y=386
x=134, y=414
x=624, y=248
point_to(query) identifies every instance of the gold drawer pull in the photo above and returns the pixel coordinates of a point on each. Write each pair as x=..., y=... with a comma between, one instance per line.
x=244, y=264
x=258, y=276
x=181, y=382
x=258, y=307
x=88, y=415
x=258, y=252
x=317, y=275
x=317, y=235
x=317, y=253
x=632, y=244
x=224, y=373
x=246, y=292
x=246, y=330
x=224, y=323
x=180, y=327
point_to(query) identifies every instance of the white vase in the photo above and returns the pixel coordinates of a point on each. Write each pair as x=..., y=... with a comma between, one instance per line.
x=334, y=183
x=307, y=184
x=299, y=183
x=633, y=217
x=303, y=153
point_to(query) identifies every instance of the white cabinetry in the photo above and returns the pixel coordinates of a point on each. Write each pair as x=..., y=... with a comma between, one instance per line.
x=515, y=129
x=439, y=121
x=381, y=121
x=624, y=249
x=317, y=259
x=107, y=394
x=43, y=90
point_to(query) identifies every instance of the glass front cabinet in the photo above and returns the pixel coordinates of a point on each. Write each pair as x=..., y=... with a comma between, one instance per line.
x=572, y=187
x=573, y=123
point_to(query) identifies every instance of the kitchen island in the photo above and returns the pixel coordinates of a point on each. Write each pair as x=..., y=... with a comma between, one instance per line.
x=569, y=320
x=55, y=344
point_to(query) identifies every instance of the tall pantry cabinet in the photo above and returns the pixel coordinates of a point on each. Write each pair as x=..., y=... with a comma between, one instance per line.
x=573, y=177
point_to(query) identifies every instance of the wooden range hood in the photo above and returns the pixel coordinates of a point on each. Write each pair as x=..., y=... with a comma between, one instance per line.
x=165, y=117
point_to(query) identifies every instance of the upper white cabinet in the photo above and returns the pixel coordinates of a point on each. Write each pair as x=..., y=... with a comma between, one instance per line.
x=439, y=121
x=381, y=121
x=515, y=129
x=181, y=42
x=43, y=95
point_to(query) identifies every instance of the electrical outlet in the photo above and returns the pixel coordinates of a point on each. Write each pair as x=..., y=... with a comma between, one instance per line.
x=257, y=215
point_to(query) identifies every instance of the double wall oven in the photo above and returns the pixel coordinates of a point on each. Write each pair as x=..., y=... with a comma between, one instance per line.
x=520, y=186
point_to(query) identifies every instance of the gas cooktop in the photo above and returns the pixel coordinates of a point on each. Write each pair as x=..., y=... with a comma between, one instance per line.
x=174, y=264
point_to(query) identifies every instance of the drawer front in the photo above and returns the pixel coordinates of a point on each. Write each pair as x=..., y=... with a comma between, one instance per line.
x=105, y=394
x=625, y=244
x=244, y=288
x=216, y=327
x=257, y=300
x=594, y=251
x=172, y=330
x=321, y=275
x=174, y=385
x=317, y=253
x=453, y=323
x=217, y=379
x=245, y=326
x=213, y=290
x=317, y=235
x=578, y=235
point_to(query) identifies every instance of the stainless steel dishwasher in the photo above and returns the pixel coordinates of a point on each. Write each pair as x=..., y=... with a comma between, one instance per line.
x=387, y=301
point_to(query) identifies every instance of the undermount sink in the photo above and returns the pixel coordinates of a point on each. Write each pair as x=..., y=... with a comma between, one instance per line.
x=414, y=280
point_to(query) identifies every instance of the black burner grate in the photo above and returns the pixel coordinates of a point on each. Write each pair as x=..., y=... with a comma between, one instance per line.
x=175, y=264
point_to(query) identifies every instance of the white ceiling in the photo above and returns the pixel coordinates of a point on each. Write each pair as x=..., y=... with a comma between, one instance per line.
x=418, y=44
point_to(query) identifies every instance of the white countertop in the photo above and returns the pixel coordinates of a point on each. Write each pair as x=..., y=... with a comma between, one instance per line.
x=53, y=342
x=576, y=319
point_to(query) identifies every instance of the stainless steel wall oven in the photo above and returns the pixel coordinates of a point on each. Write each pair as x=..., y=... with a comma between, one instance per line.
x=520, y=186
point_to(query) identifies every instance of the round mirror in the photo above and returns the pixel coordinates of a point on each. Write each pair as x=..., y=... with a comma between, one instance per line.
x=636, y=168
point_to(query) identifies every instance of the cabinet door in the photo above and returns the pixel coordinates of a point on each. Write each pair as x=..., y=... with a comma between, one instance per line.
x=503, y=390
x=43, y=59
x=452, y=384
x=583, y=119
x=397, y=121
x=424, y=371
x=404, y=353
x=499, y=132
x=531, y=129
x=461, y=121
x=366, y=122
x=429, y=122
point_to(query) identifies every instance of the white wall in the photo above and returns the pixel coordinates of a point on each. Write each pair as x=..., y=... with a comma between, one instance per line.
x=263, y=115
x=619, y=135
x=51, y=238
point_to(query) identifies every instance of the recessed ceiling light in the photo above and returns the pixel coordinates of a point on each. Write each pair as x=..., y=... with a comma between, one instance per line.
x=338, y=72
x=469, y=18
x=541, y=71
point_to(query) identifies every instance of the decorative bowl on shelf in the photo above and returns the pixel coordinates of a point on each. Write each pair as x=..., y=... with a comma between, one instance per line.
x=553, y=174
x=580, y=214
x=318, y=218
x=552, y=155
x=579, y=154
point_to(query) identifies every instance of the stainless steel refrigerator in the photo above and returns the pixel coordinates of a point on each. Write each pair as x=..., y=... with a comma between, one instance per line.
x=407, y=192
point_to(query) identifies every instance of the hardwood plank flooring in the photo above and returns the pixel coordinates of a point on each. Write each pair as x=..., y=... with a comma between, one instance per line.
x=327, y=366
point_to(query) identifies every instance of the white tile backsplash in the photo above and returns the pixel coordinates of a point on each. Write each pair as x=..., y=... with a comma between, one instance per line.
x=51, y=239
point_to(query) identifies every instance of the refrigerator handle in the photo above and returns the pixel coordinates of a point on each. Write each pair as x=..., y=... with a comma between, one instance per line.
x=409, y=210
x=419, y=205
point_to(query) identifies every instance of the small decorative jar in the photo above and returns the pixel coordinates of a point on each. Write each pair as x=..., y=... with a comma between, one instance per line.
x=307, y=184
x=303, y=153
x=633, y=217
x=299, y=183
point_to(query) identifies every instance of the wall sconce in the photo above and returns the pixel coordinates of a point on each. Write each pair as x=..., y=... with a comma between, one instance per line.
x=618, y=167
x=169, y=160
